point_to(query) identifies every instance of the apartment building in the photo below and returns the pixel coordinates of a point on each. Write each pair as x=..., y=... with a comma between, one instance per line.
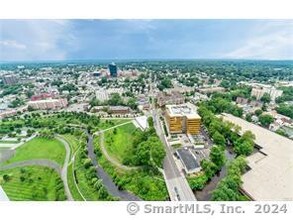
x=259, y=90
x=48, y=104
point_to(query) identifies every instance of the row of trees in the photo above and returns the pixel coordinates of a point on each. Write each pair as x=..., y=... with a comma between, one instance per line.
x=88, y=173
x=228, y=187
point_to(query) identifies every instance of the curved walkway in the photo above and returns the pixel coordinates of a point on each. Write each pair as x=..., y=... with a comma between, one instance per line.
x=62, y=171
x=64, y=168
x=37, y=162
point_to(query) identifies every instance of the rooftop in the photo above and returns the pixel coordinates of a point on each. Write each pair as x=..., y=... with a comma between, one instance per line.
x=271, y=174
x=187, y=110
x=188, y=159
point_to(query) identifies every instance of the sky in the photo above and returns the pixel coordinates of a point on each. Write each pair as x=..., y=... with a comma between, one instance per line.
x=37, y=40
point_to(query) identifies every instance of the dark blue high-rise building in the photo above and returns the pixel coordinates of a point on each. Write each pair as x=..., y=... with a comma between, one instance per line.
x=113, y=69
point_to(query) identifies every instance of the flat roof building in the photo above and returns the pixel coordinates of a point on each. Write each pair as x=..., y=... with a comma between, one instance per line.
x=183, y=119
x=271, y=173
x=188, y=160
x=9, y=79
x=142, y=122
x=48, y=104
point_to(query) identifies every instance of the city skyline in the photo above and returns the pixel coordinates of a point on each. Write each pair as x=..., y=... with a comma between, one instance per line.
x=28, y=40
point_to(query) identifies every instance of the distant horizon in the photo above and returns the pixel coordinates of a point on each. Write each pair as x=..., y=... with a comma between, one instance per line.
x=140, y=60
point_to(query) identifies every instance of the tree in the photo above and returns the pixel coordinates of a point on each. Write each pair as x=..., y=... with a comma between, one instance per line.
x=258, y=112
x=243, y=148
x=266, y=98
x=94, y=102
x=228, y=188
x=208, y=167
x=248, y=117
x=217, y=156
x=245, y=144
x=132, y=103
x=286, y=110
x=198, y=183
x=115, y=100
x=151, y=121
x=87, y=163
x=158, y=152
x=266, y=120
x=218, y=139
x=143, y=154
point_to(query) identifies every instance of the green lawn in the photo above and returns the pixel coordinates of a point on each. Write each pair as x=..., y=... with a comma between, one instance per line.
x=40, y=148
x=107, y=123
x=32, y=183
x=119, y=144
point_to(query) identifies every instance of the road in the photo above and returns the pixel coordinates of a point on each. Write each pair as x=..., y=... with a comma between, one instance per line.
x=177, y=184
x=106, y=179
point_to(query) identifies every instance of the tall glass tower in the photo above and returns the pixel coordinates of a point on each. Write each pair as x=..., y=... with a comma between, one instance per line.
x=113, y=69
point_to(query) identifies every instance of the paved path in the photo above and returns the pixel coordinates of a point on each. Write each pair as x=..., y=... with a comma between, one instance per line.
x=106, y=179
x=115, y=126
x=64, y=168
x=37, y=162
x=62, y=171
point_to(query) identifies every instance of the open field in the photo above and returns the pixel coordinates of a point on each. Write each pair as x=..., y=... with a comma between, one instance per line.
x=118, y=141
x=32, y=183
x=107, y=123
x=40, y=148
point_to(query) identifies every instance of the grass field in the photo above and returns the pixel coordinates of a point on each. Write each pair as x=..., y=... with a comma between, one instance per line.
x=119, y=144
x=40, y=148
x=32, y=183
x=107, y=123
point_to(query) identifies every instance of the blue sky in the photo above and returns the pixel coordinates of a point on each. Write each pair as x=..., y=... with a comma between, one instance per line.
x=34, y=40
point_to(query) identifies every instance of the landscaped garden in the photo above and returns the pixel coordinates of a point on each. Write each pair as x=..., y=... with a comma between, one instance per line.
x=32, y=183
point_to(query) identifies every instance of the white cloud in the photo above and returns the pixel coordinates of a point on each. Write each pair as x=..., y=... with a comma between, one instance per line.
x=35, y=39
x=12, y=44
x=272, y=40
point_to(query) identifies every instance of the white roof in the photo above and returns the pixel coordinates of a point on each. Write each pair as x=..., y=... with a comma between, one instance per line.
x=271, y=174
x=3, y=196
x=186, y=109
x=142, y=121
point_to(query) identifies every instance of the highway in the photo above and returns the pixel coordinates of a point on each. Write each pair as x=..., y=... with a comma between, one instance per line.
x=177, y=185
